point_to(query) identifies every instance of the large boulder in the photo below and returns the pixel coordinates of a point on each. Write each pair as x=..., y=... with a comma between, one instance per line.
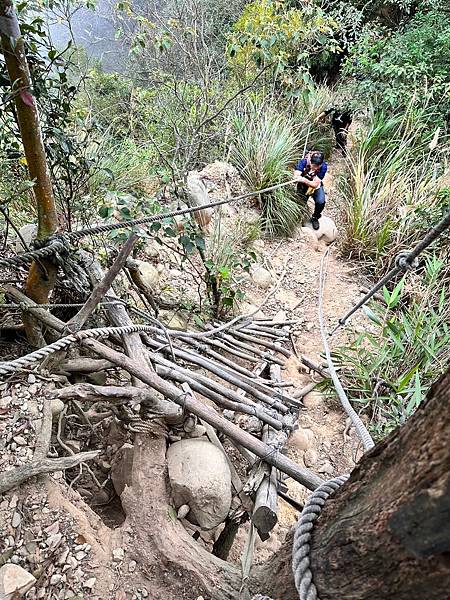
x=200, y=477
x=327, y=231
x=14, y=581
x=28, y=233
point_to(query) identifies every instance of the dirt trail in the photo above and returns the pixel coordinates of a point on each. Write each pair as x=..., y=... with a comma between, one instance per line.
x=322, y=442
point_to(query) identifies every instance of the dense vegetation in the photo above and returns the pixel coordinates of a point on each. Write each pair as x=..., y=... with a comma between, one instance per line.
x=244, y=82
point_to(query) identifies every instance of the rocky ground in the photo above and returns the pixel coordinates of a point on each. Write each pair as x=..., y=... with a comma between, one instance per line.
x=59, y=548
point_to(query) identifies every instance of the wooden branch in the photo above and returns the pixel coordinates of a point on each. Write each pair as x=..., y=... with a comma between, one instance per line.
x=257, y=340
x=299, y=394
x=314, y=367
x=224, y=373
x=118, y=317
x=14, y=478
x=84, y=365
x=102, y=287
x=284, y=464
x=168, y=411
x=218, y=398
x=240, y=344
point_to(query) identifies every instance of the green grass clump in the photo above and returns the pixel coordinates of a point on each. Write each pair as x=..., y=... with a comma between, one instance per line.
x=264, y=150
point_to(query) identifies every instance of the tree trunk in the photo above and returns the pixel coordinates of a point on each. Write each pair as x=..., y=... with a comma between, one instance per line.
x=42, y=276
x=386, y=533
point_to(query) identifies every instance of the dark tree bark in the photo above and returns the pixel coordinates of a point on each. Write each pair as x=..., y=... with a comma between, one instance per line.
x=386, y=533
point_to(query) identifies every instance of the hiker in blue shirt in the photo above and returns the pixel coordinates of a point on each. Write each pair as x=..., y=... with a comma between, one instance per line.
x=309, y=173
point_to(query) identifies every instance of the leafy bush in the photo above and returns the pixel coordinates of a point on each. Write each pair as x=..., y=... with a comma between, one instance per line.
x=283, y=39
x=390, y=370
x=412, y=62
x=264, y=150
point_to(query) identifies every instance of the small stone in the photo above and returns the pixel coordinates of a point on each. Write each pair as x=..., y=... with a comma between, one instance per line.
x=54, y=540
x=52, y=529
x=33, y=389
x=189, y=424
x=90, y=583
x=313, y=400
x=198, y=431
x=327, y=468
x=262, y=277
x=5, y=401
x=118, y=554
x=183, y=511
x=55, y=579
x=56, y=406
x=132, y=566
x=302, y=439
x=31, y=378
x=13, y=502
x=16, y=520
x=80, y=555
x=229, y=414
x=310, y=458
x=20, y=440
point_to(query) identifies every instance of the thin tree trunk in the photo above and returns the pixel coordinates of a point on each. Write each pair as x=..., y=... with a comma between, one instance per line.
x=386, y=533
x=41, y=277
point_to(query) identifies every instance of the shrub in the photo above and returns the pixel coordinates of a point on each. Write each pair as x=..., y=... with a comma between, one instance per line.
x=390, y=370
x=264, y=150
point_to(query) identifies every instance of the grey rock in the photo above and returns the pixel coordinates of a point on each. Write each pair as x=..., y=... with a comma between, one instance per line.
x=121, y=468
x=200, y=477
x=28, y=233
x=198, y=431
x=56, y=406
x=310, y=458
x=302, y=439
x=16, y=520
x=327, y=231
x=14, y=579
x=261, y=277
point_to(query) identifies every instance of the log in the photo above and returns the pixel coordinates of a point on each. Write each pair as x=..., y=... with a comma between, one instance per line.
x=102, y=287
x=214, y=385
x=284, y=464
x=226, y=361
x=304, y=391
x=248, y=409
x=118, y=317
x=264, y=516
x=314, y=367
x=224, y=373
x=84, y=365
x=257, y=340
x=227, y=348
x=234, y=342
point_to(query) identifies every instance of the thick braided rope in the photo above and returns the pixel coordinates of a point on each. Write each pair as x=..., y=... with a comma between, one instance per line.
x=101, y=332
x=24, y=306
x=361, y=429
x=301, y=564
x=26, y=258
x=174, y=213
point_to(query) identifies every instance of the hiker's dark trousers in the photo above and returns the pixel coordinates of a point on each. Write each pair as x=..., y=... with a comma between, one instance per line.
x=319, y=201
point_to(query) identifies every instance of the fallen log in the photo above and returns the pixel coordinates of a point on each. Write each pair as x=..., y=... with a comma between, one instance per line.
x=84, y=365
x=261, y=342
x=314, y=367
x=283, y=463
x=240, y=344
x=214, y=385
x=102, y=287
x=248, y=409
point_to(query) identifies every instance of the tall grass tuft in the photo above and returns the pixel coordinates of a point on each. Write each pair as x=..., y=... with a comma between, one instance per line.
x=264, y=150
x=390, y=370
x=391, y=193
